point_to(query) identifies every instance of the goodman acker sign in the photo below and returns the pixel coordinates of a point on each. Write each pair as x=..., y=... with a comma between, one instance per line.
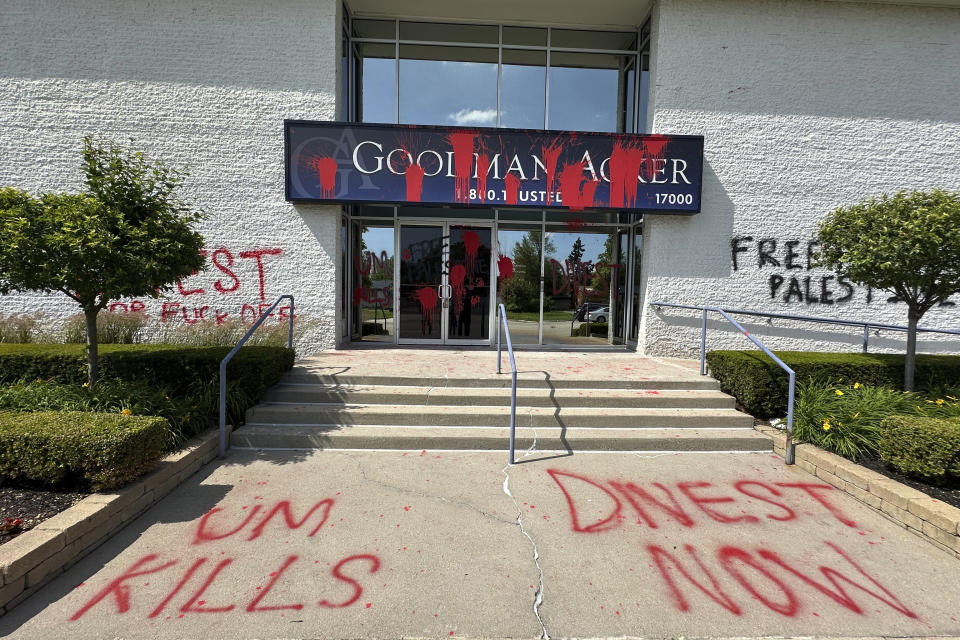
x=399, y=164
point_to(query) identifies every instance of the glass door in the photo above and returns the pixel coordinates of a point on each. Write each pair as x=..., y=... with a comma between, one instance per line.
x=444, y=283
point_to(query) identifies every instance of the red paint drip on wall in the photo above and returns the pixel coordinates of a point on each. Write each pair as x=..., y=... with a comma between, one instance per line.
x=414, y=178
x=512, y=185
x=483, y=164
x=550, y=155
x=625, y=161
x=577, y=194
x=462, y=143
x=326, y=169
x=505, y=267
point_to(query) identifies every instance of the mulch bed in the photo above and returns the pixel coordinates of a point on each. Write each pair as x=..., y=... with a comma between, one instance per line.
x=31, y=506
x=948, y=492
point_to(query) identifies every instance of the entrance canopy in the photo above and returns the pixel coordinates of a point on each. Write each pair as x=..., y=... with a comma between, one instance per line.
x=404, y=164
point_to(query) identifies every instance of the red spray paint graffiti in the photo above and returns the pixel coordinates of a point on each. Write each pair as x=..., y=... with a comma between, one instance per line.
x=625, y=161
x=344, y=585
x=654, y=147
x=462, y=143
x=471, y=244
x=483, y=165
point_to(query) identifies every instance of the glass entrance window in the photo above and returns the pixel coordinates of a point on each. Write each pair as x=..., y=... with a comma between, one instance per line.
x=422, y=256
x=373, y=282
x=582, y=292
x=518, y=280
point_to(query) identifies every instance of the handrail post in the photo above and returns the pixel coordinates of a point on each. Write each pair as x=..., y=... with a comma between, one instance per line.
x=233, y=352
x=703, y=344
x=499, y=357
x=790, y=450
x=513, y=418
x=866, y=337
x=223, y=408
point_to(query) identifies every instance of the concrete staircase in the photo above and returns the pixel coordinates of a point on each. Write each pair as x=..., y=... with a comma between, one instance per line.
x=316, y=409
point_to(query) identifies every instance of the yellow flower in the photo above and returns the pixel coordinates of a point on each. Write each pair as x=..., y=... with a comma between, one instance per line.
x=939, y=400
x=126, y=412
x=85, y=384
x=856, y=385
x=826, y=424
x=838, y=392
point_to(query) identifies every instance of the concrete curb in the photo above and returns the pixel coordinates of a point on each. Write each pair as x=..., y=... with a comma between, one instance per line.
x=936, y=522
x=32, y=559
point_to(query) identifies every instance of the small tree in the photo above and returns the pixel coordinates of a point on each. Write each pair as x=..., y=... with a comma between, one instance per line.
x=908, y=244
x=130, y=236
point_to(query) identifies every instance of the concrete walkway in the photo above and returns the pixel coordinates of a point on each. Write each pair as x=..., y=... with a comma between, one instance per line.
x=347, y=544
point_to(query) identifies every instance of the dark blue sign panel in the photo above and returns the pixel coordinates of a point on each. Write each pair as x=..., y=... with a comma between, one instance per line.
x=400, y=164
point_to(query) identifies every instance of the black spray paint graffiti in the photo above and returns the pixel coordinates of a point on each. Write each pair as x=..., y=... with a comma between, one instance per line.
x=793, y=258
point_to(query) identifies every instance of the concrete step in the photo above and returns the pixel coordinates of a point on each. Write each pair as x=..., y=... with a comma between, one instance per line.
x=493, y=416
x=259, y=436
x=526, y=397
x=488, y=379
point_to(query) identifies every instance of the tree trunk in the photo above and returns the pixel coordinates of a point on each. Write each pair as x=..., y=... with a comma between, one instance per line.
x=911, y=360
x=91, y=317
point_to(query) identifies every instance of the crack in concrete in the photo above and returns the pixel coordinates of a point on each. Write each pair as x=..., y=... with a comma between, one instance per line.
x=538, y=595
x=427, y=496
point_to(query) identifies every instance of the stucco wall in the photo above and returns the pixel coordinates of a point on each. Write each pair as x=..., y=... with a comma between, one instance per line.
x=804, y=106
x=204, y=85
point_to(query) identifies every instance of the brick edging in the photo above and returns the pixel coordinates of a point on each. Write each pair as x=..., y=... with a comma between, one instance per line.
x=936, y=522
x=36, y=556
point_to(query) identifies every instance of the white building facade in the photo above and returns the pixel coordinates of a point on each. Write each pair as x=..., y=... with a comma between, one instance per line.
x=803, y=107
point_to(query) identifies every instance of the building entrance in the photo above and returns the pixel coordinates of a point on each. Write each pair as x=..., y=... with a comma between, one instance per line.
x=438, y=281
x=444, y=283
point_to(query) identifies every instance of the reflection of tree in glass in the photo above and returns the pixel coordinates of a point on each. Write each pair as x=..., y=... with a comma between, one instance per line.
x=522, y=291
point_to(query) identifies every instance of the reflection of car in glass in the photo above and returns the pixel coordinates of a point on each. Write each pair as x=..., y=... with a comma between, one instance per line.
x=581, y=314
x=598, y=315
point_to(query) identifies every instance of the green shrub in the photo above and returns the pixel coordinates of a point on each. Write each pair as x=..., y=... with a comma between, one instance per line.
x=597, y=330
x=922, y=446
x=112, y=328
x=845, y=419
x=253, y=369
x=188, y=415
x=761, y=386
x=92, y=450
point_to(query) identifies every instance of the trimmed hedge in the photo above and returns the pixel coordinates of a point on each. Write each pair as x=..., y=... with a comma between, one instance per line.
x=761, y=386
x=597, y=329
x=99, y=451
x=921, y=446
x=253, y=370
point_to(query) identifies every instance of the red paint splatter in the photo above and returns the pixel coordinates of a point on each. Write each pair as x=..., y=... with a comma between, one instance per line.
x=414, y=178
x=512, y=184
x=654, y=147
x=576, y=193
x=550, y=155
x=458, y=274
x=462, y=143
x=505, y=267
x=427, y=297
x=625, y=161
x=483, y=164
x=406, y=255
x=326, y=169
x=574, y=224
x=471, y=244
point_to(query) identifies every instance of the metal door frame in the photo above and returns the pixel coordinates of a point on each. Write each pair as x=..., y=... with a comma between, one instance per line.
x=444, y=339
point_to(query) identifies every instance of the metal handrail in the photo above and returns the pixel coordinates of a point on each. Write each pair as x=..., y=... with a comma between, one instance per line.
x=502, y=320
x=790, y=452
x=233, y=352
x=836, y=321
